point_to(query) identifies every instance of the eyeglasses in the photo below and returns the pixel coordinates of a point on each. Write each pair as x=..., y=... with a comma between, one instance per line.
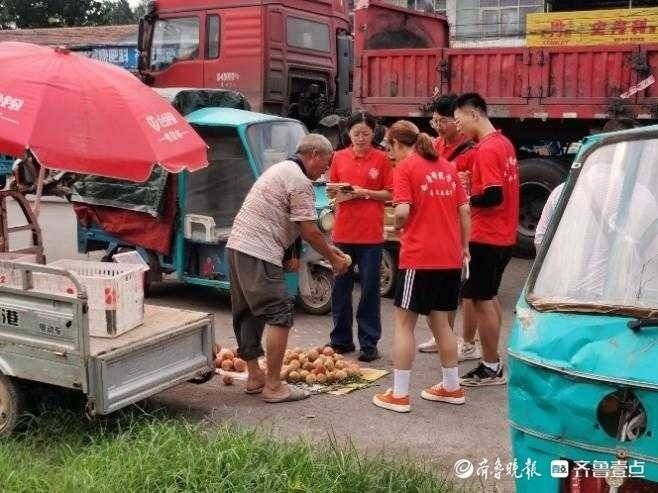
x=442, y=120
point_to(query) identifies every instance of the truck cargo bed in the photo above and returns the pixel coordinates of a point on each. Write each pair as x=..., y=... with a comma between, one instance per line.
x=158, y=321
x=548, y=82
x=171, y=347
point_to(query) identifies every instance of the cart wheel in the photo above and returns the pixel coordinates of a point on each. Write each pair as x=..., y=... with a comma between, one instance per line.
x=321, y=281
x=11, y=405
x=388, y=272
x=206, y=377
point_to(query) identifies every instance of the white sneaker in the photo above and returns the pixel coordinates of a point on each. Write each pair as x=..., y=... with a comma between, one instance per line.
x=465, y=350
x=469, y=351
x=428, y=346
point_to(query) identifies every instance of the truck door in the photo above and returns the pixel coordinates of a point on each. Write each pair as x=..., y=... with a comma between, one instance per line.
x=176, y=57
x=233, y=51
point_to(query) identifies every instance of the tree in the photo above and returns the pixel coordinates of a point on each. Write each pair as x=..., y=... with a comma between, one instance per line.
x=142, y=8
x=5, y=18
x=114, y=13
x=47, y=13
x=77, y=13
x=24, y=14
x=123, y=14
x=62, y=13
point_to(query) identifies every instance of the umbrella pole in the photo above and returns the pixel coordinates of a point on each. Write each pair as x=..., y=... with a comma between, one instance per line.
x=37, y=203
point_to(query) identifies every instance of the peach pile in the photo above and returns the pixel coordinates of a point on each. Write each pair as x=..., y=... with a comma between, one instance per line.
x=227, y=360
x=317, y=365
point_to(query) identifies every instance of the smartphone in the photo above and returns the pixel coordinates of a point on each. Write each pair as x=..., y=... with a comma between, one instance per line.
x=347, y=188
x=466, y=272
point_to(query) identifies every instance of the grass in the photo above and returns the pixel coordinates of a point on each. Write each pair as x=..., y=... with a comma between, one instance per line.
x=136, y=452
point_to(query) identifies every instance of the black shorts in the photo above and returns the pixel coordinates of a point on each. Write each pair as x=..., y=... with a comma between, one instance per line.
x=424, y=291
x=486, y=268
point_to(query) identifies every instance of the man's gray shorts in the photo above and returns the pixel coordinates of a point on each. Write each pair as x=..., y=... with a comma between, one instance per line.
x=258, y=297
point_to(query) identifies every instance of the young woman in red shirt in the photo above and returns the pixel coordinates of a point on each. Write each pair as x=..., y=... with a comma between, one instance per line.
x=431, y=208
x=365, y=177
x=452, y=145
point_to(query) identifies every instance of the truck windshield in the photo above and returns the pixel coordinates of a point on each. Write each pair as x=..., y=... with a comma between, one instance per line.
x=603, y=256
x=272, y=142
x=174, y=40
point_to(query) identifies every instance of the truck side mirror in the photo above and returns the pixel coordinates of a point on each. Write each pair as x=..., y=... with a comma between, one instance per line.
x=140, y=36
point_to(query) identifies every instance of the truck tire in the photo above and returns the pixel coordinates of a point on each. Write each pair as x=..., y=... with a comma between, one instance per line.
x=322, y=285
x=389, y=271
x=538, y=177
x=11, y=405
x=201, y=379
x=151, y=276
x=330, y=126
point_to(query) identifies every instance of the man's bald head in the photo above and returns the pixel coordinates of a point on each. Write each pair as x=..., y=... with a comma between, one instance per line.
x=316, y=152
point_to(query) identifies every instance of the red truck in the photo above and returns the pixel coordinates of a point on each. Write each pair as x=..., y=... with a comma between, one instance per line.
x=298, y=58
x=289, y=57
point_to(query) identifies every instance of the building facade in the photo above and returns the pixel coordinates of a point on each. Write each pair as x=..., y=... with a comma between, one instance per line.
x=112, y=44
x=482, y=23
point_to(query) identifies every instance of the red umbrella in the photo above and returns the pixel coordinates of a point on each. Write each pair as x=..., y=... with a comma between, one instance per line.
x=81, y=115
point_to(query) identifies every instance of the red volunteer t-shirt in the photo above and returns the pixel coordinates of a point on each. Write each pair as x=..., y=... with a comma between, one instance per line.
x=495, y=165
x=463, y=162
x=431, y=238
x=361, y=220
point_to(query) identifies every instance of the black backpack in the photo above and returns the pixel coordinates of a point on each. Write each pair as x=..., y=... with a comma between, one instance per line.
x=461, y=149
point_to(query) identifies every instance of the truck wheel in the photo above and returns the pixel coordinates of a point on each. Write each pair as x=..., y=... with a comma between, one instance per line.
x=538, y=178
x=206, y=377
x=11, y=405
x=321, y=281
x=388, y=272
x=153, y=275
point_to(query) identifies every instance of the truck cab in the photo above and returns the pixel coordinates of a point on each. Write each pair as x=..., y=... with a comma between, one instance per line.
x=289, y=57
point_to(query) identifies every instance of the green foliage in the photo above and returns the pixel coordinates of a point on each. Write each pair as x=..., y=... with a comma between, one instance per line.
x=64, y=13
x=137, y=452
x=141, y=9
x=118, y=13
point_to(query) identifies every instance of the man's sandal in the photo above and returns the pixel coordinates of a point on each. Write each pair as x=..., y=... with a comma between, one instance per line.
x=294, y=394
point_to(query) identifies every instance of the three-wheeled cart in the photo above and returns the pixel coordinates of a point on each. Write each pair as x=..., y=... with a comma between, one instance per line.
x=44, y=338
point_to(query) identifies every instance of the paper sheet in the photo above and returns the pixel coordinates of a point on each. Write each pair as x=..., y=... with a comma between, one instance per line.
x=368, y=377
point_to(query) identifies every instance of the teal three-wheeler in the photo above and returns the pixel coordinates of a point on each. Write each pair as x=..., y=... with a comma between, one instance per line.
x=583, y=353
x=242, y=144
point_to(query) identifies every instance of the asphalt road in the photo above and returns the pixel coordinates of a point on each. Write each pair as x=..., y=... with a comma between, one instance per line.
x=433, y=432
x=439, y=433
